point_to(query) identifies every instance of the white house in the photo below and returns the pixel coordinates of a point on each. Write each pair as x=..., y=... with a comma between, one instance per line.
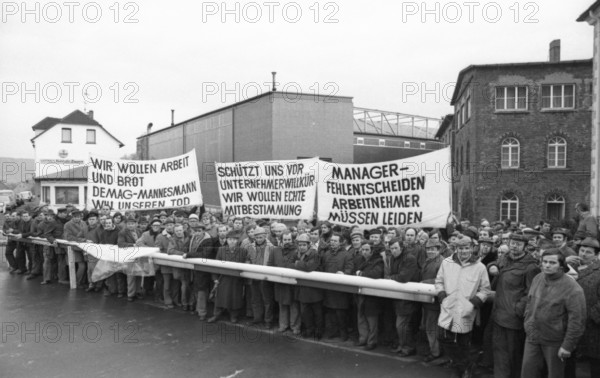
x=62, y=148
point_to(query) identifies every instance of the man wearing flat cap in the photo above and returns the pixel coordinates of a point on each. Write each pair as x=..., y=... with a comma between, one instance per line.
x=463, y=286
x=516, y=272
x=260, y=253
x=76, y=230
x=201, y=246
x=560, y=237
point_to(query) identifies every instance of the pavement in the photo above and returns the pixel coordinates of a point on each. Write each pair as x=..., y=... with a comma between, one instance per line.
x=52, y=331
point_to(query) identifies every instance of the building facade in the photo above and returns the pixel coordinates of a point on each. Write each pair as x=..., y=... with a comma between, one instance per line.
x=286, y=126
x=62, y=148
x=520, y=138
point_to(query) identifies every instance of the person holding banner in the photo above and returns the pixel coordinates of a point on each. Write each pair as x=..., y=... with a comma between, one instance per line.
x=260, y=253
x=336, y=260
x=116, y=283
x=127, y=238
x=92, y=236
x=75, y=230
x=51, y=230
x=229, y=289
x=311, y=299
x=24, y=254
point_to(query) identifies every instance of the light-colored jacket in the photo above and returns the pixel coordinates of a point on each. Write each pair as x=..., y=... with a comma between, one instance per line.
x=461, y=282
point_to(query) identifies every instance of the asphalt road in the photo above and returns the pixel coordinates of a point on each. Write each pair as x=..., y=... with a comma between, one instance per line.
x=51, y=331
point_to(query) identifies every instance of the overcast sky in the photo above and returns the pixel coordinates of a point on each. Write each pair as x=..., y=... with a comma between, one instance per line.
x=149, y=57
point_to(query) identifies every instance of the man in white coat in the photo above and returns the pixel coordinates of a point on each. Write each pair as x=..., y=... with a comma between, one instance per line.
x=463, y=286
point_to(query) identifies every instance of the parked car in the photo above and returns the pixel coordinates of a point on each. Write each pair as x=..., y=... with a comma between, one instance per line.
x=6, y=204
x=26, y=196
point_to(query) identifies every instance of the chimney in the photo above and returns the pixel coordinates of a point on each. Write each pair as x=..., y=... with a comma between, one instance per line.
x=172, y=117
x=148, y=128
x=274, y=87
x=90, y=114
x=555, y=51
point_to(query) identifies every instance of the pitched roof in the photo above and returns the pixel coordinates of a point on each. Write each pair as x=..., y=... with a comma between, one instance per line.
x=584, y=16
x=76, y=117
x=46, y=123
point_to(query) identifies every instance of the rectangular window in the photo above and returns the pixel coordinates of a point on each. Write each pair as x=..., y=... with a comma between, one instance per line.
x=91, y=137
x=406, y=144
x=46, y=194
x=468, y=107
x=381, y=142
x=360, y=141
x=66, y=194
x=555, y=211
x=509, y=210
x=422, y=146
x=66, y=135
x=458, y=118
x=511, y=98
x=561, y=96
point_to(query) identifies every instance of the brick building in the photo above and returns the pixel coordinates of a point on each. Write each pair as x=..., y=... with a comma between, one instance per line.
x=520, y=138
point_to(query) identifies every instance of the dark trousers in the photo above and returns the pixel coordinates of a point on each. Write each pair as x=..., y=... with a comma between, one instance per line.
x=508, y=351
x=457, y=347
x=594, y=367
x=336, y=320
x=117, y=283
x=37, y=260
x=262, y=301
x=537, y=358
x=21, y=256
x=312, y=317
x=9, y=253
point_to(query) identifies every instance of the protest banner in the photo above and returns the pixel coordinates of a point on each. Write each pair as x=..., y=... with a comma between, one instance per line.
x=280, y=189
x=413, y=191
x=144, y=184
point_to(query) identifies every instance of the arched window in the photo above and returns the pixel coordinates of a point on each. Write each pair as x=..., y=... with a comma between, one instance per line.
x=509, y=207
x=510, y=153
x=555, y=207
x=557, y=153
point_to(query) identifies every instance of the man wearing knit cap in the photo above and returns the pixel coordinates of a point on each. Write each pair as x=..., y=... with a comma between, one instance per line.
x=516, y=272
x=463, y=285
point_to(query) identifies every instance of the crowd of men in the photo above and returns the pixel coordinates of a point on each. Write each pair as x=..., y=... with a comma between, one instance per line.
x=517, y=300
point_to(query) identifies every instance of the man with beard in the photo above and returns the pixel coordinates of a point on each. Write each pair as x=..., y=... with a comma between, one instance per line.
x=311, y=299
x=466, y=280
x=554, y=318
x=412, y=247
x=402, y=267
x=285, y=256
x=117, y=282
x=260, y=253
x=93, y=236
x=560, y=237
x=201, y=247
x=368, y=307
x=75, y=230
x=516, y=272
x=336, y=260
x=326, y=233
